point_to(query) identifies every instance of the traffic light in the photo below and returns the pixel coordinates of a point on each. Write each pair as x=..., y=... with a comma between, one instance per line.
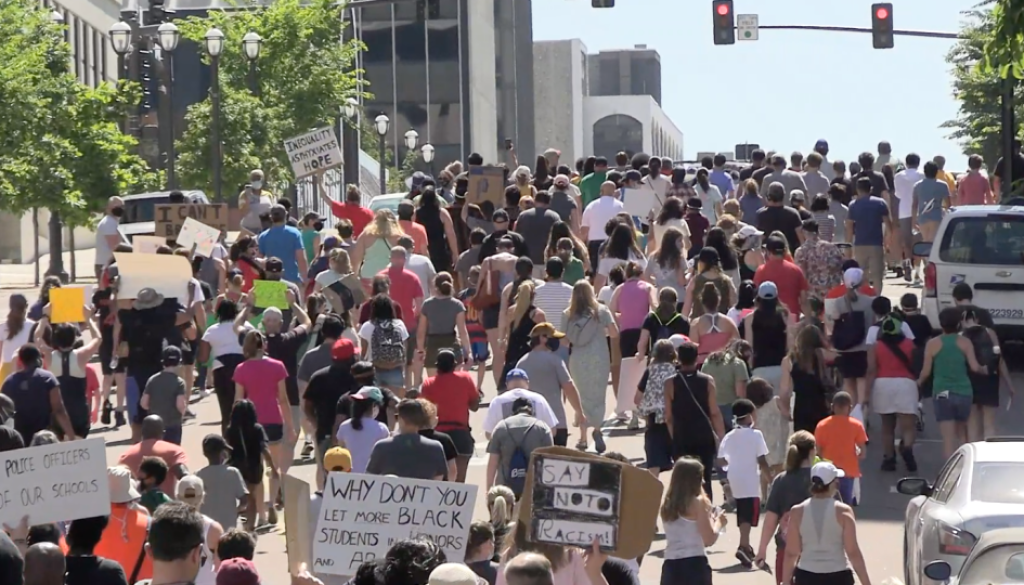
x=725, y=22
x=602, y=3
x=881, y=25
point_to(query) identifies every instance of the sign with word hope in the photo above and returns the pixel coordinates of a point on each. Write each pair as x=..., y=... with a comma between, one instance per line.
x=575, y=501
x=170, y=217
x=313, y=152
x=363, y=515
x=54, y=483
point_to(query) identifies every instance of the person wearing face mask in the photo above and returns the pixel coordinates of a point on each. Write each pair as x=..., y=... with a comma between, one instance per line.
x=107, y=234
x=254, y=201
x=68, y=362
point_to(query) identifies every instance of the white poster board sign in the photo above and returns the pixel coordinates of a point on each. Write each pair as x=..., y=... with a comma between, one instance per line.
x=363, y=515
x=313, y=152
x=54, y=483
x=168, y=275
x=639, y=202
x=200, y=235
x=147, y=244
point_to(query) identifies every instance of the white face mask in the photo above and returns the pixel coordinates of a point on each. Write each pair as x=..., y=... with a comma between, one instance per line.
x=257, y=184
x=9, y=423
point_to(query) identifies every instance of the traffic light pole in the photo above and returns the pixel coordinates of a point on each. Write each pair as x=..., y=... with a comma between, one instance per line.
x=899, y=33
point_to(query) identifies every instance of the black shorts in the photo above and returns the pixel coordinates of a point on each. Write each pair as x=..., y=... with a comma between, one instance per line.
x=594, y=250
x=275, y=433
x=853, y=365
x=802, y=577
x=748, y=511
x=463, y=439
x=628, y=341
x=490, y=317
x=657, y=445
x=106, y=352
x=691, y=570
x=561, y=437
x=188, y=354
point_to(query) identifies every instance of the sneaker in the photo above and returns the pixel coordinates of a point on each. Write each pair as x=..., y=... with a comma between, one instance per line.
x=889, y=463
x=188, y=414
x=634, y=423
x=307, y=450
x=907, y=270
x=118, y=418
x=599, y=445
x=908, y=459
x=745, y=555
x=107, y=409
x=272, y=516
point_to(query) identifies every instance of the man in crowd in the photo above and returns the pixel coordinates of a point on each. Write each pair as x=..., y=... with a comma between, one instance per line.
x=885, y=157
x=406, y=290
x=107, y=234
x=591, y=185
x=284, y=242
x=408, y=454
x=153, y=444
x=535, y=227
x=722, y=178
x=36, y=395
x=489, y=248
x=866, y=224
x=351, y=209
x=817, y=182
x=757, y=162
x=821, y=148
x=176, y=544
x=789, y=179
x=904, y=183
x=521, y=432
x=595, y=217
x=820, y=261
x=789, y=279
x=551, y=378
x=777, y=216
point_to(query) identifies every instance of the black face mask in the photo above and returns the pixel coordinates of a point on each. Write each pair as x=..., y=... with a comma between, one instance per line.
x=552, y=344
x=461, y=189
x=318, y=226
x=117, y=211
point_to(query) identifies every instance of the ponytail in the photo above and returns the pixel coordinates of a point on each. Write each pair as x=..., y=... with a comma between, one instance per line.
x=800, y=445
x=252, y=345
x=709, y=297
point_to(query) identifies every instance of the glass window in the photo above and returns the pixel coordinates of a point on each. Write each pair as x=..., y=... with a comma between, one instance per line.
x=948, y=478
x=618, y=132
x=1001, y=564
x=996, y=239
x=998, y=483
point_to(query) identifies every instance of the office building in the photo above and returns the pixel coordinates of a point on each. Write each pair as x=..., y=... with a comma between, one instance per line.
x=635, y=71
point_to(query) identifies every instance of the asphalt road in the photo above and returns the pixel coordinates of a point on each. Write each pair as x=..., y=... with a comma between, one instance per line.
x=880, y=515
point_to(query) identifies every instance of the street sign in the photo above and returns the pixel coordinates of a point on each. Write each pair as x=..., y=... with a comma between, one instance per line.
x=746, y=26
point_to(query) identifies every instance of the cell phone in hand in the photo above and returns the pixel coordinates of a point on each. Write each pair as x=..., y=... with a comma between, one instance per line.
x=508, y=144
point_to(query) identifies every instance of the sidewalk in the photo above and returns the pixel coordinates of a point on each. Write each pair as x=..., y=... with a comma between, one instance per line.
x=21, y=277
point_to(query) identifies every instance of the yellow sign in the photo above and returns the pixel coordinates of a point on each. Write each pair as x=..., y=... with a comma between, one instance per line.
x=67, y=305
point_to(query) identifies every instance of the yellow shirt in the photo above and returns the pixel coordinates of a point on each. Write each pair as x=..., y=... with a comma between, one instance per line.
x=948, y=178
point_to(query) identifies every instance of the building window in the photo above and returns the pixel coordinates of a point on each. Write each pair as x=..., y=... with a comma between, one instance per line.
x=618, y=132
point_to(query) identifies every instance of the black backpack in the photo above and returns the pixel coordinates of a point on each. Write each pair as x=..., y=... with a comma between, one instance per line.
x=984, y=349
x=849, y=330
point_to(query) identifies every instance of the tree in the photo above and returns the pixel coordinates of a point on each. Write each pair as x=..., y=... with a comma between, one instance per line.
x=303, y=76
x=1003, y=48
x=60, y=145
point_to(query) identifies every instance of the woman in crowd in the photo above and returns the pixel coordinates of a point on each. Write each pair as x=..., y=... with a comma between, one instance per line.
x=709, y=196
x=243, y=255
x=616, y=277
x=523, y=315
x=249, y=453
x=657, y=439
x=442, y=244
x=621, y=248
x=631, y=302
x=454, y=395
x=667, y=266
x=788, y=489
x=662, y=323
x=713, y=330
x=69, y=362
x=747, y=243
x=708, y=268
x=894, y=391
x=501, y=503
x=587, y=325
x=442, y=324
x=221, y=343
x=826, y=221
x=372, y=251
x=14, y=333
x=821, y=544
x=692, y=524
x=804, y=375
x=694, y=425
x=773, y=427
x=672, y=215
x=746, y=295
x=766, y=329
x=362, y=430
x=728, y=369
x=263, y=381
x=560, y=230
x=502, y=272
x=389, y=370
x=717, y=238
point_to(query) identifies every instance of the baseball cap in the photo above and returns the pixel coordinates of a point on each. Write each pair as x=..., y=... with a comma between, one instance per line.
x=238, y=571
x=343, y=349
x=853, y=277
x=796, y=195
x=418, y=178
x=215, y=444
x=274, y=264
x=561, y=181
x=678, y=339
x=768, y=291
x=517, y=374
x=170, y=356
x=747, y=231
x=331, y=242
x=824, y=473
x=446, y=359
x=369, y=393
x=190, y=489
x=775, y=245
x=546, y=330
x=822, y=143
x=338, y=459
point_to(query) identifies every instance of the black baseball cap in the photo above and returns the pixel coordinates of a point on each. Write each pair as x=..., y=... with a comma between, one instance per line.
x=775, y=245
x=171, y=356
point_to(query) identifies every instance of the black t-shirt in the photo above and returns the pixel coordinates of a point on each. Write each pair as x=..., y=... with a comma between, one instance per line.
x=921, y=328
x=1018, y=168
x=784, y=219
x=674, y=324
x=30, y=391
x=748, y=173
x=984, y=317
x=285, y=348
x=845, y=200
x=878, y=182
x=761, y=173
x=12, y=565
x=90, y=570
x=450, y=452
x=147, y=331
x=326, y=387
x=617, y=572
x=804, y=214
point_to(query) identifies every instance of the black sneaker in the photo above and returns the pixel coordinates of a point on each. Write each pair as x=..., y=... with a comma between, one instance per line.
x=107, y=408
x=908, y=271
x=908, y=459
x=599, y=445
x=889, y=463
x=745, y=555
x=118, y=418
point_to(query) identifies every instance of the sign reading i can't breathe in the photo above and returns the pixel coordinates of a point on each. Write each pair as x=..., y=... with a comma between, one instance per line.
x=54, y=483
x=363, y=515
x=313, y=152
x=575, y=501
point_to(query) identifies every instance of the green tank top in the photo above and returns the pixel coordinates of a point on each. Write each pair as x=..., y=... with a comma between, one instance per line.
x=949, y=368
x=307, y=243
x=377, y=258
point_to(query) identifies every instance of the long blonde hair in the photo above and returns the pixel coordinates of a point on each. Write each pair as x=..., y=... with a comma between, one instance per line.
x=385, y=224
x=524, y=297
x=583, y=300
x=500, y=499
x=684, y=487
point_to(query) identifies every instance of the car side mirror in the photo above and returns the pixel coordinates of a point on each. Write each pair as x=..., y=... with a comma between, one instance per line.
x=913, y=486
x=922, y=249
x=938, y=571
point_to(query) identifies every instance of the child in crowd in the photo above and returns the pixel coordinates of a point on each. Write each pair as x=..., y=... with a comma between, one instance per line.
x=225, y=488
x=841, y=439
x=236, y=544
x=773, y=427
x=165, y=395
x=477, y=333
x=745, y=452
x=250, y=451
x=152, y=473
x=922, y=329
x=651, y=403
x=574, y=270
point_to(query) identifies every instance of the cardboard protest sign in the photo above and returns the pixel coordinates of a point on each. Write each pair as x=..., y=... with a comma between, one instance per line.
x=313, y=152
x=363, y=515
x=54, y=483
x=202, y=236
x=297, y=523
x=170, y=218
x=270, y=293
x=639, y=202
x=168, y=275
x=147, y=244
x=67, y=305
x=571, y=497
x=486, y=188
x=630, y=374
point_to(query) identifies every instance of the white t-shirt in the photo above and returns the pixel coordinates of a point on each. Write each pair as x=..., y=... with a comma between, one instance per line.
x=366, y=332
x=604, y=296
x=904, y=182
x=708, y=200
x=872, y=337
x=11, y=346
x=501, y=408
x=199, y=296
x=223, y=341
x=660, y=187
x=106, y=227
x=597, y=214
x=659, y=230
x=605, y=265
x=740, y=448
x=423, y=268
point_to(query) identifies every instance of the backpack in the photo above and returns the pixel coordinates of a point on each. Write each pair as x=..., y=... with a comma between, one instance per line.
x=518, y=465
x=849, y=330
x=984, y=349
x=387, y=346
x=663, y=331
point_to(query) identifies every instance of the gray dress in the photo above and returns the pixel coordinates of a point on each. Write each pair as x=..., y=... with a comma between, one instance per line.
x=590, y=363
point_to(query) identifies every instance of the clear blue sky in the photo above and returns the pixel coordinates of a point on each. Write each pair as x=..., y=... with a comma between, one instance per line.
x=838, y=87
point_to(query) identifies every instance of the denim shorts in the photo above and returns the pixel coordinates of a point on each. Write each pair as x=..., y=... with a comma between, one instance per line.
x=954, y=407
x=393, y=378
x=481, y=352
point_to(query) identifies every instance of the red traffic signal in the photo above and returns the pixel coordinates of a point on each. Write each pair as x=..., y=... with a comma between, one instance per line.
x=724, y=22
x=722, y=9
x=882, y=13
x=881, y=26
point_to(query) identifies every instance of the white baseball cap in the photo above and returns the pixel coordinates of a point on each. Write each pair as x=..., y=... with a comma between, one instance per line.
x=853, y=277
x=824, y=473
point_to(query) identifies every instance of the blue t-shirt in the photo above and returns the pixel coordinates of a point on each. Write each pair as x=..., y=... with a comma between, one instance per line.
x=867, y=214
x=282, y=242
x=931, y=194
x=30, y=391
x=722, y=180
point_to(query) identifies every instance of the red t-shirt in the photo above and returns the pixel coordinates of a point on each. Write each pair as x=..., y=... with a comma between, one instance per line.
x=789, y=279
x=452, y=393
x=972, y=189
x=889, y=365
x=405, y=289
x=172, y=455
x=357, y=214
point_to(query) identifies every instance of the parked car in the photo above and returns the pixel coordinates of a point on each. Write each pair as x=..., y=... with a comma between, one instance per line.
x=387, y=201
x=982, y=245
x=979, y=489
x=140, y=211
x=998, y=557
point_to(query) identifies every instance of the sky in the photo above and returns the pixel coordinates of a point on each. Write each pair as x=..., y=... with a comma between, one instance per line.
x=801, y=85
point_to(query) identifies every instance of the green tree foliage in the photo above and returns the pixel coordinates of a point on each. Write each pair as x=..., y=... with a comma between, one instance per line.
x=60, y=145
x=303, y=75
x=1003, y=48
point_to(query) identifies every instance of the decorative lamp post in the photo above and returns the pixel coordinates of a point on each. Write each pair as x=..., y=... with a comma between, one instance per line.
x=411, y=138
x=55, y=225
x=121, y=39
x=214, y=47
x=251, y=44
x=350, y=140
x=168, y=35
x=381, y=124
x=428, y=157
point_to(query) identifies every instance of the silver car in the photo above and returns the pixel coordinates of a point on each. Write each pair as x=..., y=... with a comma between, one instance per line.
x=979, y=489
x=998, y=557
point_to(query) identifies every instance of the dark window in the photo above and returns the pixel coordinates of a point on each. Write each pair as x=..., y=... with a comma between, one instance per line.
x=995, y=239
x=618, y=132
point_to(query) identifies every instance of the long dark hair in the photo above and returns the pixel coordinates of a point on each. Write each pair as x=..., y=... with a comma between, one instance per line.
x=703, y=180
x=17, y=315
x=428, y=199
x=621, y=243
x=671, y=209
x=670, y=252
x=242, y=426
x=717, y=238
x=588, y=166
x=357, y=410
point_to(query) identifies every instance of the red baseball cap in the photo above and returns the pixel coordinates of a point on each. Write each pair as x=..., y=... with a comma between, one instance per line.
x=343, y=349
x=237, y=571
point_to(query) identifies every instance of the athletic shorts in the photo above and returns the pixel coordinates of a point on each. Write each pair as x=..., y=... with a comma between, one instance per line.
x=748, y=511
x=275, y=433
x=853, y=364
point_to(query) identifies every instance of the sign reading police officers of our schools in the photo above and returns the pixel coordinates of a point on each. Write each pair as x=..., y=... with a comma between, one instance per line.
x=313, y=152
x=170, y=218
x=54, y=483
x=363, y=515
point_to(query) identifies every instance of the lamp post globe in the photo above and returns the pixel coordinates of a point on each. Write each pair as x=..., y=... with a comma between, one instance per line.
x=120, y=37
x=251, y=43
x=56, y=17
x=412, y=137
x=168, y=35
x=351, y=105
x=381, y=124
x=428, y=153
x=214, y=42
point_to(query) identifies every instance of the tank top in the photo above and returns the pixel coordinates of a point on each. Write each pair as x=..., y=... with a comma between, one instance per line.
x=721, y=282
x=437, y=243
x=682, y=540
x=950, y=368
x=258, y=205
x=889, y=364
x=634, y=304
x=206, y=575
x=822, y=538
x=769, y=340
x=377, y=258
x=73, y=384
x=810, y=400
x=690, y=410
x=714, y=340
x=665, y=276
x=519, y=338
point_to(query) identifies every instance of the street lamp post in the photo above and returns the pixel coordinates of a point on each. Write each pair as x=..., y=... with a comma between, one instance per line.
x=168, y=35
x=350, y=141
x=56, y=226
x=251, y=44
x=214, y=46
x=121, y=40
x=381, y=124
x=428, y=157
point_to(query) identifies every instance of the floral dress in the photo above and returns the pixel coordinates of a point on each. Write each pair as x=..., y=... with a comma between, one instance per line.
x=822, y=263
x=775, y=430
x=590, y=363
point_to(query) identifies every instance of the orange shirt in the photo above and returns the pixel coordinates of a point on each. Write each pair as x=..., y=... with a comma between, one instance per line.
x=172, y=455
x=123, y=539
x=837, y=438
x=418, y=234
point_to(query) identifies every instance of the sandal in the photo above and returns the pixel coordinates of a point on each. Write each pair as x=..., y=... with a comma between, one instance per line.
x=582, y=446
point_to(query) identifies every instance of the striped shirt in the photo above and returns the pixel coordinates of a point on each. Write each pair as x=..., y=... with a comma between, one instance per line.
x=553, y=298
x=826, y=224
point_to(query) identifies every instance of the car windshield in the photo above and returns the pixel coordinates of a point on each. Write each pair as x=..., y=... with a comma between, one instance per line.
x=143, y=209
x=1000, y=565
x=995, y=239
x=998, y=483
